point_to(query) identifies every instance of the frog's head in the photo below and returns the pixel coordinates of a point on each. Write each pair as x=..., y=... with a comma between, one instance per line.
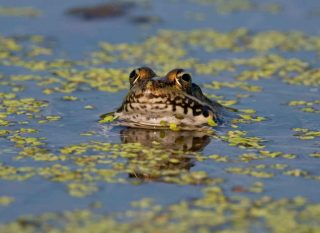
x=153, y=100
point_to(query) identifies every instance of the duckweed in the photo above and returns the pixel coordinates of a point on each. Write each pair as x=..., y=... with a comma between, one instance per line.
x=92, y=161
x=81, y=190
x=69, y=98
x=19, y=11
x=306, y=134
x=316, y=154
x=211, y=122
x=107, y=118
x=4, y=200
x=228, y=7
x=250, y=171
x=67, y=77
x=306, y=106
x=236, y=138
x=202, y=214
x=246, y=118
x=173, y=127
x=89, y=107
x=240, y=85
x=296, y=172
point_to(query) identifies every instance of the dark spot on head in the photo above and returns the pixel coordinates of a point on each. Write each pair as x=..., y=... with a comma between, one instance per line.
x=185, y=110
x=205, y=111
x=196, y=111
x=174, y=108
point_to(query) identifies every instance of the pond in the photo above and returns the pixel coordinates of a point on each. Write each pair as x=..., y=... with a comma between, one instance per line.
x=62, y=65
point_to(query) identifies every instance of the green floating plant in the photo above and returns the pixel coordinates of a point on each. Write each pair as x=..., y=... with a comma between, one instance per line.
x=19, y=11
x=306, y=106
x=237, y=138
x=214, y=209
x=306, y=134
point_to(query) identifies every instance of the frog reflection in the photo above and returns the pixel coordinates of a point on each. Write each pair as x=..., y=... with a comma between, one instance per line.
x=167, y=153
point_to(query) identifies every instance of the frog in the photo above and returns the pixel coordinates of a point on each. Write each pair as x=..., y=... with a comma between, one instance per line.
x=155, y=101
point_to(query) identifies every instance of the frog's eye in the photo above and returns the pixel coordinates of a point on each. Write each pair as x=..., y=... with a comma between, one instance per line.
x=184, y=80
x=186, y=77
x=133, y=77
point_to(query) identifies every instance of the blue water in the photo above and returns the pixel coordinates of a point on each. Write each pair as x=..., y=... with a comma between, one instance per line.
x=74, y=38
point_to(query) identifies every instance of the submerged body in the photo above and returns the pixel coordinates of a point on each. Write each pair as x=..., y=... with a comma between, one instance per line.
x=171, y=100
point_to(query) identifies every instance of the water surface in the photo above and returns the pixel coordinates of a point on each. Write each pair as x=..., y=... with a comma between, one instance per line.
x=60, y=72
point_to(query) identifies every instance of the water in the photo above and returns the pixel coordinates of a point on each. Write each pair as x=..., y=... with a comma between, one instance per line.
x=168, y=167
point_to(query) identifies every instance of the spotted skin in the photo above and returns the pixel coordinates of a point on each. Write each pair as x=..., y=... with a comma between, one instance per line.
x=153, y=101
